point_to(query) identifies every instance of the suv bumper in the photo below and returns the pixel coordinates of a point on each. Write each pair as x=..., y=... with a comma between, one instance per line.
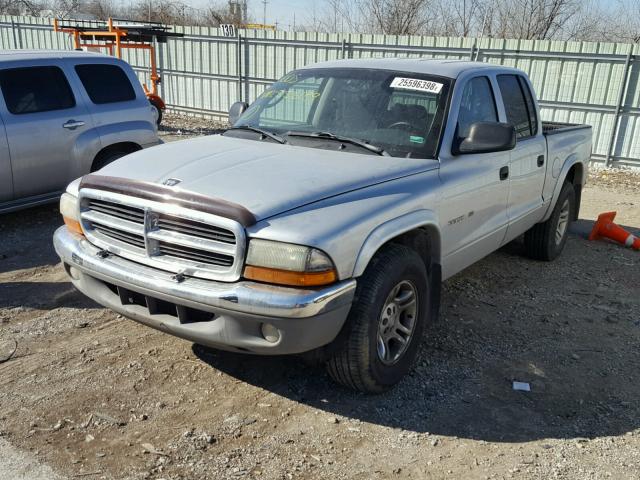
x=228, y=316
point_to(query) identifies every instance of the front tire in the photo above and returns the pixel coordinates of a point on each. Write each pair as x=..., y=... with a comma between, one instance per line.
x=546, y=240
x=386, y=322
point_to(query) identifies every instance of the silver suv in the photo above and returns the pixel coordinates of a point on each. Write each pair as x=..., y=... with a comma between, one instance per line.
x=62, y=115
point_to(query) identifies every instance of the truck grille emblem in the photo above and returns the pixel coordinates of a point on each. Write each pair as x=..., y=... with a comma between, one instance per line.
x=171, y=182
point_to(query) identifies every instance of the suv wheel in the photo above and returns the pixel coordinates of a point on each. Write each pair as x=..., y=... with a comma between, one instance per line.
x=545, y=241
x=385, y=323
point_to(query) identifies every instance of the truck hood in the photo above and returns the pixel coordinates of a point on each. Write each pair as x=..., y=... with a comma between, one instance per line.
x=265, y=177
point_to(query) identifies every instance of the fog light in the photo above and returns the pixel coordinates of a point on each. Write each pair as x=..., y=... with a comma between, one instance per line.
x=270, y=333
x=74, y=273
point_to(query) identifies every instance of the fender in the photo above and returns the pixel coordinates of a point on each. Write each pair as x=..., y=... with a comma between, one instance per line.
x=133, y=131
x=560, y=174
x=393, y=228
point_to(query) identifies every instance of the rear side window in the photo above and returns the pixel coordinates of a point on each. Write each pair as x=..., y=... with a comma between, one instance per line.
x=517, y=107
x=35, y=89
x=106, y=83
x=477, y=105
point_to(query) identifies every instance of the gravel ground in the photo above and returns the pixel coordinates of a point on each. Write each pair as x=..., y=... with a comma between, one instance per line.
x=93, y=395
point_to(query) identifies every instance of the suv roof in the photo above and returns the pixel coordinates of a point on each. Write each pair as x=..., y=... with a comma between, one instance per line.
x=17, y=55
x=442, y=67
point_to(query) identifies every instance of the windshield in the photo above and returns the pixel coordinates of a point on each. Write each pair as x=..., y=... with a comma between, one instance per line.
x=399, y=112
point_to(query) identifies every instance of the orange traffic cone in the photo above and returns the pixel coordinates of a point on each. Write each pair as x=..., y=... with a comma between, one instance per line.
x=605, y=227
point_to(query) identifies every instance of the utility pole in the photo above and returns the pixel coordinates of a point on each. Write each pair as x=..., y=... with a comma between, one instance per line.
x=264, y=12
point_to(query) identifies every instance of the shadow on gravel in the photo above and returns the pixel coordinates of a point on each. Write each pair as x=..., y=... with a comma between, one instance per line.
x=43, y=295
x=575, y=342
x=26, y=238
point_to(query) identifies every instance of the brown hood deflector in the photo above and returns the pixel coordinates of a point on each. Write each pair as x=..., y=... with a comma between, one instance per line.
x=170, y=195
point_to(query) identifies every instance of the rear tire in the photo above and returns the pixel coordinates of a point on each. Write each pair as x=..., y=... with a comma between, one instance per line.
x=546, y=240
x=372, y=358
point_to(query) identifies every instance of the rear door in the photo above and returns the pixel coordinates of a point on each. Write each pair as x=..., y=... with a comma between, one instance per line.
x=475, y=187
x=6, y=178
x=527, y=165
x=43, y=122
x=114, y=94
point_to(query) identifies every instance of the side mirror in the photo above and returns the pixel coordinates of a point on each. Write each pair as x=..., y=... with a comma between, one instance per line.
x=487, y=137
x=236, y=110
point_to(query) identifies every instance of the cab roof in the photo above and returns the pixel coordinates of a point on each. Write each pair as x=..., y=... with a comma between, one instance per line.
x=19, y=55
x=429, y=66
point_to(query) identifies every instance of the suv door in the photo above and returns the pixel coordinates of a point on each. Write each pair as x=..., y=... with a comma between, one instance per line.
x=112, y=95
x=6, y=179
x=527, y=165
x=475, y=189
x=43, y=122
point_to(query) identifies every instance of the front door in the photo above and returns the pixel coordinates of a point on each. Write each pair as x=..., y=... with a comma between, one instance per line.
x=43, y=120
x=475, y=187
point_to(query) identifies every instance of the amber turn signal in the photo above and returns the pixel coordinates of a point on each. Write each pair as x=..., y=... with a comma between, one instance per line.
x=73, y=225
x=289, y=278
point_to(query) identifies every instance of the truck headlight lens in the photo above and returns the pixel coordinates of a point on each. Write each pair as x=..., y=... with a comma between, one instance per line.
x=70, y=213
x=288, y=264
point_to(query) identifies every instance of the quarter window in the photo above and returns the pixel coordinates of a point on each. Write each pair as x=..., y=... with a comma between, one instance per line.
x=520, y=110
x=35, y=89
x=105, y=83
x=478, y=105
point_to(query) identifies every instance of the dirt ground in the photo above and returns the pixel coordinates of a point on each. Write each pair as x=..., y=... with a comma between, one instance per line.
x=93, y=395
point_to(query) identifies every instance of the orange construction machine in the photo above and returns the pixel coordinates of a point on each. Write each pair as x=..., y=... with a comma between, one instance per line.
x=116, y=35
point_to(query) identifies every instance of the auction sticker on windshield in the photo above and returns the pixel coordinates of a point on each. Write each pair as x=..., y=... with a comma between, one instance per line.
x=416, y=84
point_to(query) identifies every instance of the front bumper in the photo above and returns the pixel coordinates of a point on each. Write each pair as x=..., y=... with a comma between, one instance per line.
x=305, y=319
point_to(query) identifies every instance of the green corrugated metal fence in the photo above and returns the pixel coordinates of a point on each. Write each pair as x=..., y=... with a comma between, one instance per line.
x=204, y=72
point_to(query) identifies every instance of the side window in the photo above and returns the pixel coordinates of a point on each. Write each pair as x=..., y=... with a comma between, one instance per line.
x=478, y=105
x=515, y=106
x=105, y=83
x=531, y=107
x=35, y=89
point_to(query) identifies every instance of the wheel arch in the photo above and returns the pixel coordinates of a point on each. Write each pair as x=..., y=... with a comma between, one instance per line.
x=128, y=147
x=418, y=230
x=573, y=170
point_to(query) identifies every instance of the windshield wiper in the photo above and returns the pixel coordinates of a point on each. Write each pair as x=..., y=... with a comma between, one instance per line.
x=338, y=138
x=263, y=133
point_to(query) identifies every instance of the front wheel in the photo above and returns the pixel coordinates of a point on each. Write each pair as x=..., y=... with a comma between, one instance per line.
x=386, y=322
x=546, y=240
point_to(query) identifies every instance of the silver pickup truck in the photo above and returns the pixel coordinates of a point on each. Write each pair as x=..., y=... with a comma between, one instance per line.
x=325, y=219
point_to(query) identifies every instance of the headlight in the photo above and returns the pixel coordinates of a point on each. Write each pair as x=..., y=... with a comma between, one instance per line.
x=70, y=213
x=288, y=264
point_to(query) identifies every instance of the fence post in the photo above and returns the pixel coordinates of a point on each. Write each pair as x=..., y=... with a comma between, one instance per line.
x=239, y=59
x=473, y=50
x=616, y=118
x=17, y=36
x=343, y=49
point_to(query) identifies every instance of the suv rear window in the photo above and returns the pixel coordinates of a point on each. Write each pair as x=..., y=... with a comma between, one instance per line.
x=105, y=83
x=35, y=89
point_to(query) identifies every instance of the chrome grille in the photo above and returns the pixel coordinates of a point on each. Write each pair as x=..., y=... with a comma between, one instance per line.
x=163, y=235
x=196, y=229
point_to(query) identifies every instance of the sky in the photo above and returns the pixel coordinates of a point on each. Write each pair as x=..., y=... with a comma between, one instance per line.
x=281, y=11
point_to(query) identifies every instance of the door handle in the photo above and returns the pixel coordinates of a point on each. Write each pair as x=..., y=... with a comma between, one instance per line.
x=541, y=160
x=504, y=173
x=73, y=124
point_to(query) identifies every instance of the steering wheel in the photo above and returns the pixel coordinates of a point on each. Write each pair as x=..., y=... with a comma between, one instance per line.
x=402, y=125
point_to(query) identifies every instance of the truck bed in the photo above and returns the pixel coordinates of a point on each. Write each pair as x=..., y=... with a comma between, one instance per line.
x=553, y=128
